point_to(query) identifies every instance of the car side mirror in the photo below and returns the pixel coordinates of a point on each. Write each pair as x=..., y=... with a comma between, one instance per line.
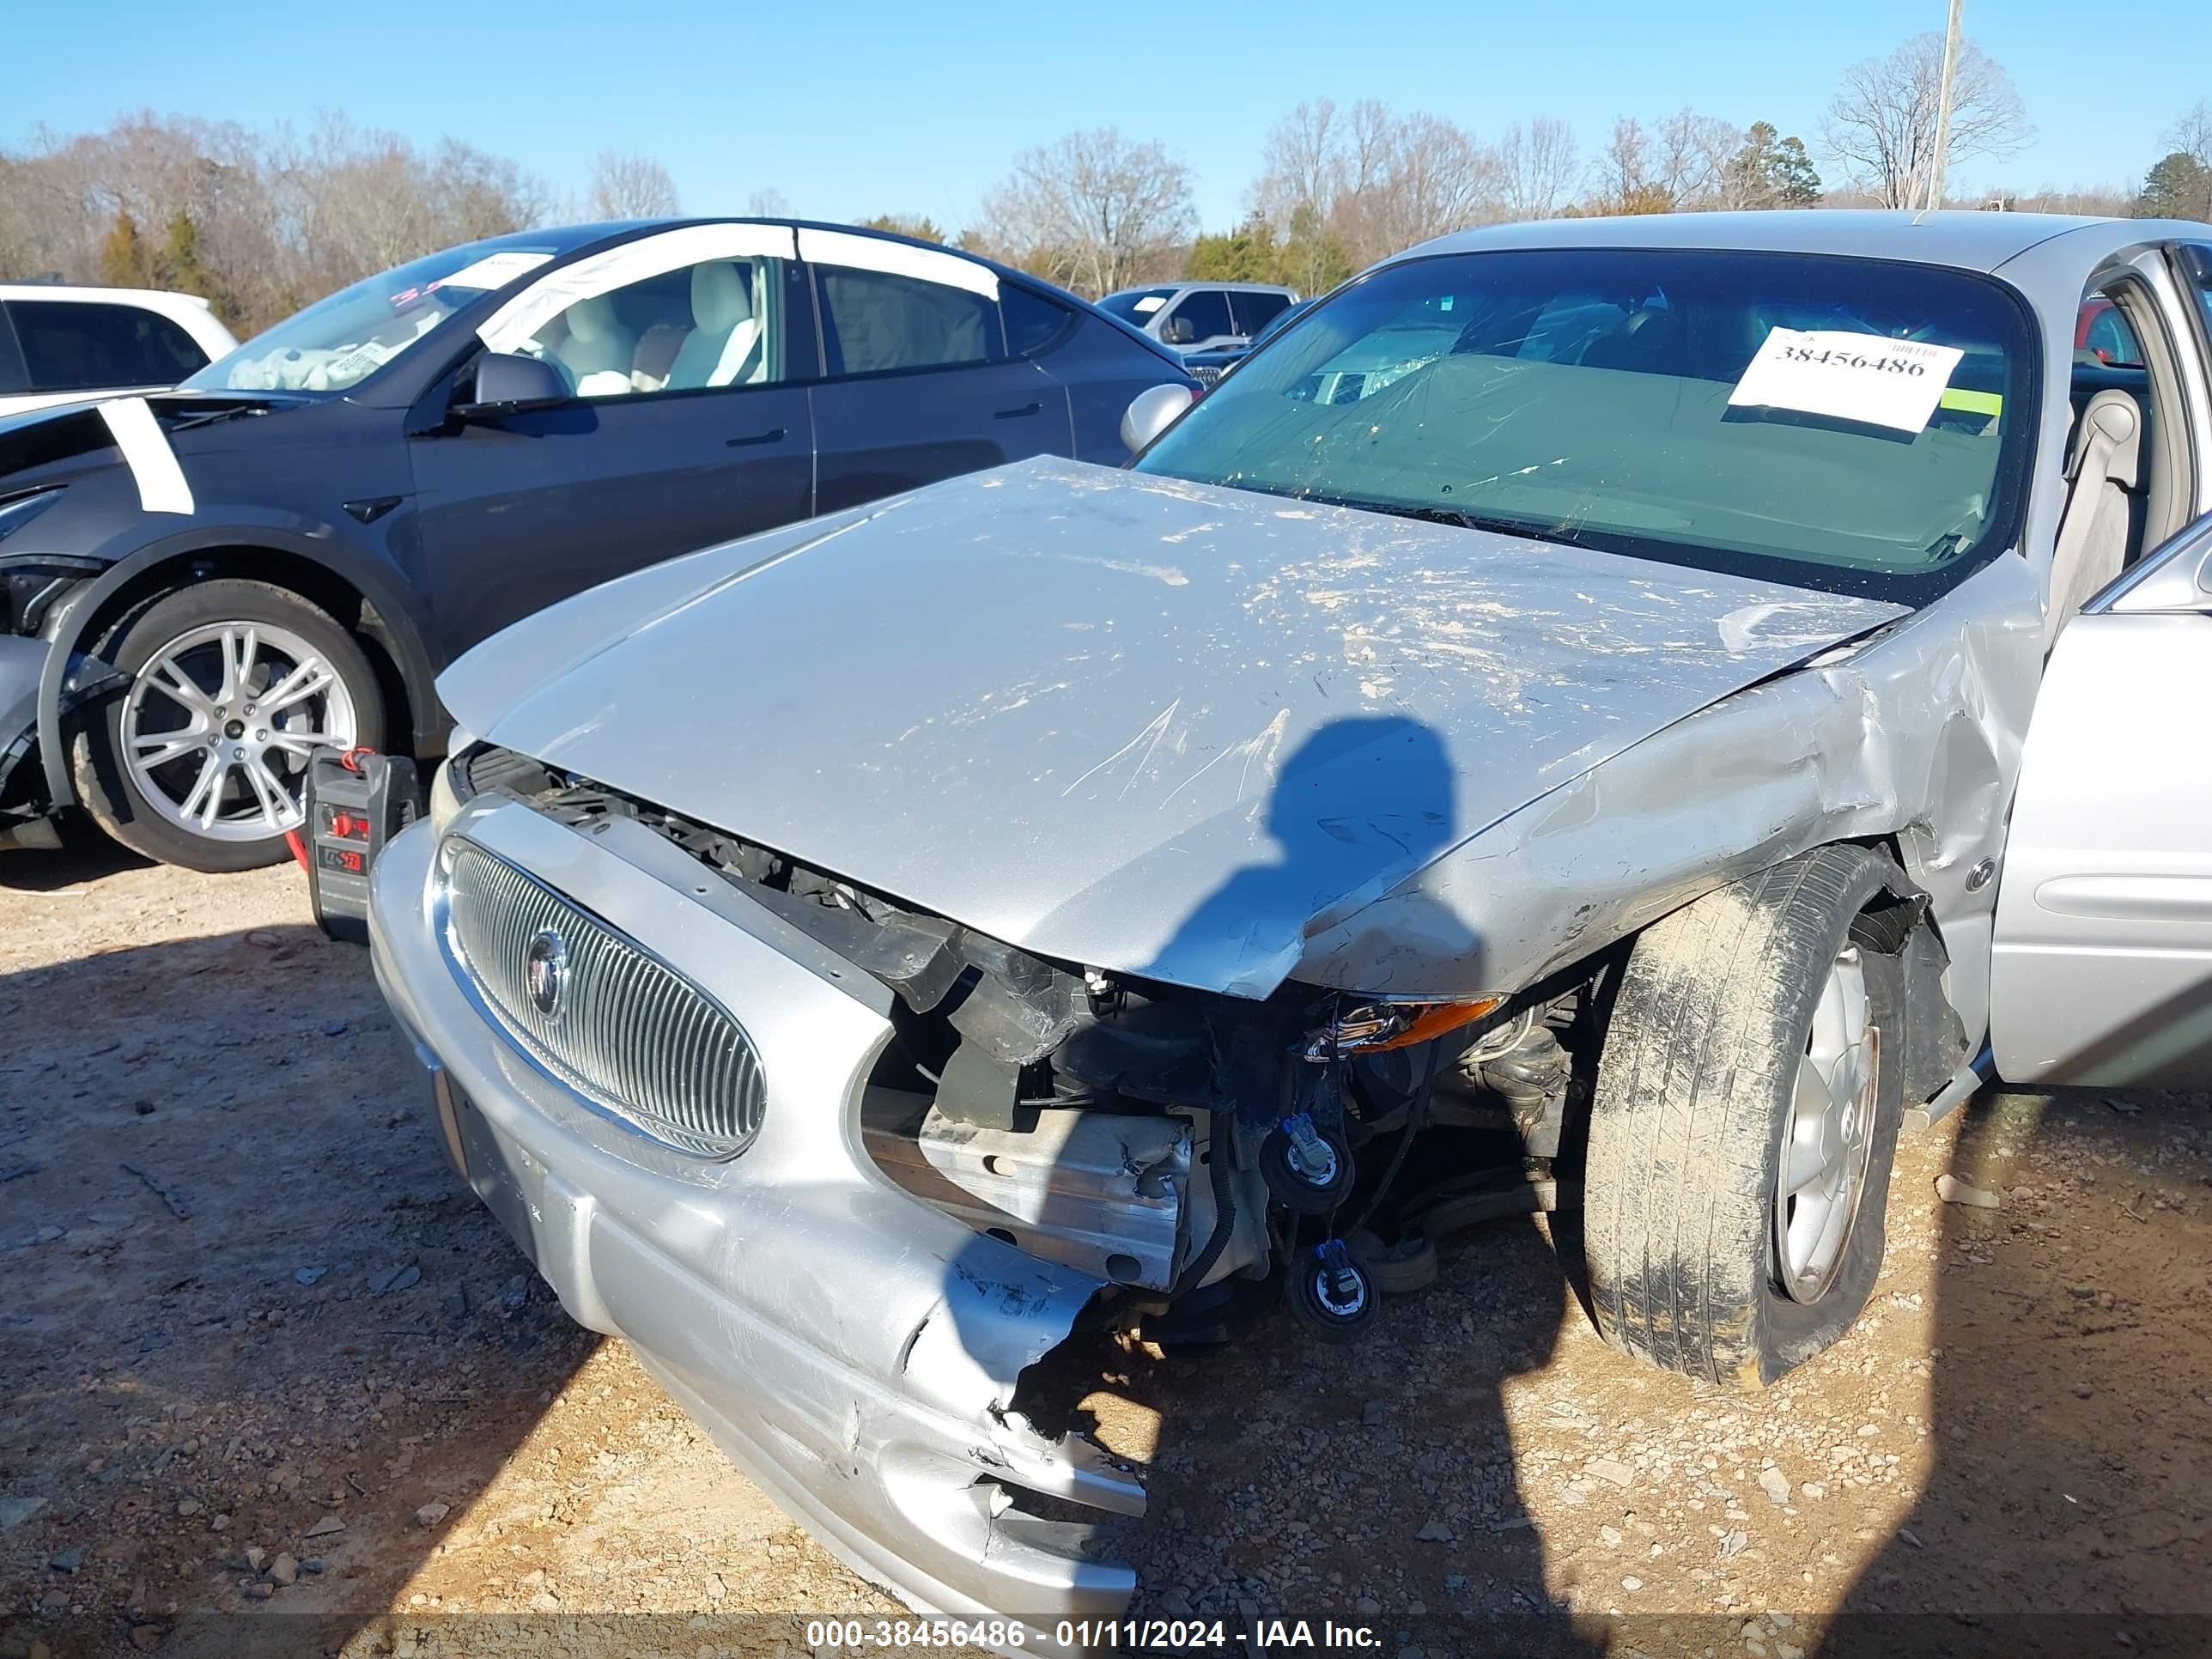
x=505, y=381
x=1177, y=331
x=1151, y=412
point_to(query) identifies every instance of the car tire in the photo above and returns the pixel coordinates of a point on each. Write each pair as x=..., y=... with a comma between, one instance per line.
x=178, y=642
x=1753, y=1061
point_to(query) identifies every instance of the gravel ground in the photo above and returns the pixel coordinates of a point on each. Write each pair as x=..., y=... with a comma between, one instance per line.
x=259, y=1357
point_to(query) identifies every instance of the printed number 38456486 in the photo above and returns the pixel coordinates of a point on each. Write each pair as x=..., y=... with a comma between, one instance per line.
x=1879, y=364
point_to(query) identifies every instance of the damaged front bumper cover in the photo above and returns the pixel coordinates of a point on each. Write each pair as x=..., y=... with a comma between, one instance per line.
x=27, y=790
x=852, y=1348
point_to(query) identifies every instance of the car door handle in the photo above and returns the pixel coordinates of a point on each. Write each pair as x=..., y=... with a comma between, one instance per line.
x=1016, y=414
x=774, y=434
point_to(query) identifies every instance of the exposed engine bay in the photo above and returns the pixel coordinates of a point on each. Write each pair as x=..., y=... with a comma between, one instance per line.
x=1199, y=1152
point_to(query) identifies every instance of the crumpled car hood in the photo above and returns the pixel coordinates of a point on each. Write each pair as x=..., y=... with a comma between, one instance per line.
x=1152, y=726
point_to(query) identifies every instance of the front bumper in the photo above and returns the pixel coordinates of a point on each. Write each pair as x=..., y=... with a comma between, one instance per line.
x=852, y=1348
x=22, y=661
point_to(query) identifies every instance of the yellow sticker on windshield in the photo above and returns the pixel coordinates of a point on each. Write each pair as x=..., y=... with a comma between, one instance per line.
x=1971, y=403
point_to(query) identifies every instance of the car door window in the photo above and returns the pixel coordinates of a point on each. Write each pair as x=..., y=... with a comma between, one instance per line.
x=706, y=308
x=888, y=305
x=2197, y=262
x=2129, y=483
x=1254, y=312
x=1199, y=316
x=12, y=380
x=1034, y=324
x=71, y=345
x=2101, y=335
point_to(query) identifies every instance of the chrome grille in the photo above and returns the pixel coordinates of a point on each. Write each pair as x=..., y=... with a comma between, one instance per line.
x=627, y=1029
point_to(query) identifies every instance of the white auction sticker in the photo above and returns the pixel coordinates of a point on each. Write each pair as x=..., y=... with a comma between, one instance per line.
x=1149, y=302
x=1864, y=378
x=494, y=271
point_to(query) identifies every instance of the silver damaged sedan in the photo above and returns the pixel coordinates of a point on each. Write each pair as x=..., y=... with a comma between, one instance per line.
x=1691, y=697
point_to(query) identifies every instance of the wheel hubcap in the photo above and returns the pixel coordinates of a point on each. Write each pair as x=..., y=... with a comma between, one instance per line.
x=219, y=723
x=1829, y=1138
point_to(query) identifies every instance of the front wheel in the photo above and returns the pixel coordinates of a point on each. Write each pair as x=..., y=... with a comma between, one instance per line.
x=201, y=761
x=1748, y=1099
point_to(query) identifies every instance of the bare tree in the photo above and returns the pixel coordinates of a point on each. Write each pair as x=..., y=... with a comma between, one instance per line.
x=1624, y=172
x=1094, y=210
x=628, y=186
x=1694, y=155
x=2091, y=201
x=1678, y=165
x=2190, y=134
x=1301, y=165
x=1355, y=186
x=258, y=223
x=1422, y=176
x=768, y=203
x=1538, y=167
x=1882, y=126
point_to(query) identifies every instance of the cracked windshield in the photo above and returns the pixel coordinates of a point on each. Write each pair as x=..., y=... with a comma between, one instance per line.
x=1839, y=423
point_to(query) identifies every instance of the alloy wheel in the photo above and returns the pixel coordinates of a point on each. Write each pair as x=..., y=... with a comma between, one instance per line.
x=1829, y=1138
x=221, y=722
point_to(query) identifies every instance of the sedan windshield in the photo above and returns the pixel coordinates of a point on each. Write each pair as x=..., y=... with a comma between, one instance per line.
x=1848, y=424
x=342, y=339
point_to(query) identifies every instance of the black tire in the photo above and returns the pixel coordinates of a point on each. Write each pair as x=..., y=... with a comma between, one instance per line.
x=114, y=796
x=1694, y=1086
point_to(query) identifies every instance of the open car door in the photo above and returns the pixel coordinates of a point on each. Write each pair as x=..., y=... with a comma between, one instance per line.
x=2102, y=970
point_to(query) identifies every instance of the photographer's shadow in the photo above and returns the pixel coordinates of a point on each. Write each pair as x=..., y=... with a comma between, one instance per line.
x=1373, y=1483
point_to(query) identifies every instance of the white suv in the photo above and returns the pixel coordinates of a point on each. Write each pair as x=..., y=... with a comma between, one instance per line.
x=60, y=345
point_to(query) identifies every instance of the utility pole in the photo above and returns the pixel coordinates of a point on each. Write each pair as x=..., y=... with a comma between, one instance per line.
x=1942, y=153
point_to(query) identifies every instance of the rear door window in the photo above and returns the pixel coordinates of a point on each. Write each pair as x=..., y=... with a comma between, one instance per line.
x=1034, y=324
x=1254, y=312
x=73, y=345
x=889, y=306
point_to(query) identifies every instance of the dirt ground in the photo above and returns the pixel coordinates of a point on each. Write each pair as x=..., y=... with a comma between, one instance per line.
x=270, y=1382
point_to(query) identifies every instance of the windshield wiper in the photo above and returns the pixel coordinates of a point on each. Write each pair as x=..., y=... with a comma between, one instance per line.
x=208, y=417
x=1453, y=516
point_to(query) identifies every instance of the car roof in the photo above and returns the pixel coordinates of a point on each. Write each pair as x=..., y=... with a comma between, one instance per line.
x=592, y=237
x=1968, y=240
x=189, y=312
x=1184, y=285
x=152, y=298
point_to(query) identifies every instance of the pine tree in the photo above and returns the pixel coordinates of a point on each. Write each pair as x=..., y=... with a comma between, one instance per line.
x=2178, y=186
x=1794, y=180
x=179, y=266
x=1771, y=170
x=1246, y=254
x=123, y=261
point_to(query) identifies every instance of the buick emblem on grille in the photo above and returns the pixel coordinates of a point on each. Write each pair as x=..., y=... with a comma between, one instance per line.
x=546, y=971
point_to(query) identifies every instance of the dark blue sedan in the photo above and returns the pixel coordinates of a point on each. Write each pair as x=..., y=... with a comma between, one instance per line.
x=197, y=589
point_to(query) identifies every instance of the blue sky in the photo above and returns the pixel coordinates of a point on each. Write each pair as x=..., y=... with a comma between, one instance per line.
x=866, y=106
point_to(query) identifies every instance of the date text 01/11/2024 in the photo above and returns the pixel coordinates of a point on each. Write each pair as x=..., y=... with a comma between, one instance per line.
x=1131, y=1636
x=1263, y=1636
